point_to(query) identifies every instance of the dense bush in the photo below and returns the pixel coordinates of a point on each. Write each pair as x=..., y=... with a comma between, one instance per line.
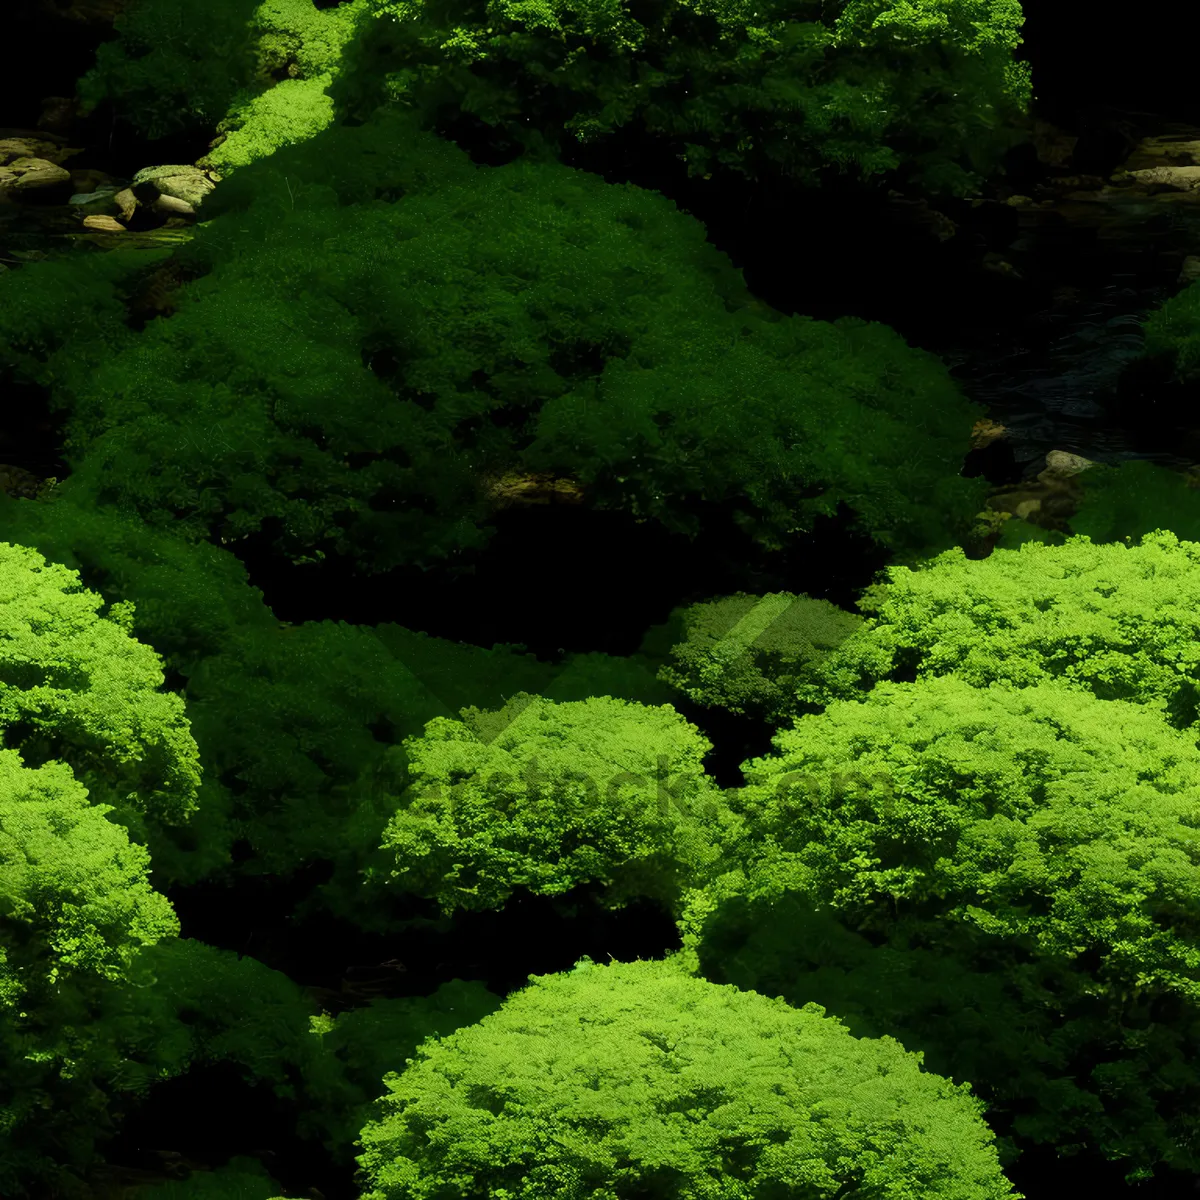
x=549, y=796
x=634, y=1079
x=1118, y=621
x=1002, y=877
x=357, y=360
x=928, y=89
x=93, y=751
x=750, y=654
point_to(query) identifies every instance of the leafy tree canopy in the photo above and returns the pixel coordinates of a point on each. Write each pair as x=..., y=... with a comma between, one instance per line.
x=549, y=796
x=634, y=1078
x=1004, y=877
x=749, y=654
x=1119, y=621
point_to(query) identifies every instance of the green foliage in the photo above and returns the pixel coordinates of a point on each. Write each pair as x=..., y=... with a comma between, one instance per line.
x=94, y=753
x=75, y=907
x=1135, y=498
x=71, y=879
x=308, y=44
x=292, y=752
x=1003, y=877
x=633, y=1078
x=184, y=597
x=749, y=653
x=175, y=64
x=47, y=306
x=1173, y=333
x=257, y=71
x=77, y=687
x=929, y=87
x=549, y=796
x=294, y=725
x=188, y=1002
x=1117, y=621
x=366, y=1043
x=297, y=727
x=357, y=396
x=187, y=599
x=291, y=111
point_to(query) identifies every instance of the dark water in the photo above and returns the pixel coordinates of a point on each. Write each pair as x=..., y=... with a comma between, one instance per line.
x=1050, y=376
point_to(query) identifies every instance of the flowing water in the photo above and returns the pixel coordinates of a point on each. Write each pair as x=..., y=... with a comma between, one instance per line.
x=1050, y=375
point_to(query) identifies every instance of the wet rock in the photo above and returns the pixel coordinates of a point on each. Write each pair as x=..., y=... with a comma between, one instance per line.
x=18, y=482
x=1050, y=499
x=87, y=179
x=31, y=167
x=126, y=202
x=1062, y=465
x=523, y=490
x=32, y=143
x=99, y=221
x=1157, y=179
x=24, y=173
x=186, y=185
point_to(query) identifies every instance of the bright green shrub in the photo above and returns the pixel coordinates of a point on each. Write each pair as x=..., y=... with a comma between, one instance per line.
x=1002, y=877
x=75, y=906
x=181, y=64
x=634, y=1079
x=76, y=687
x=550, y=796
x=94, y=754
x=1114, y=620
x=184, y=597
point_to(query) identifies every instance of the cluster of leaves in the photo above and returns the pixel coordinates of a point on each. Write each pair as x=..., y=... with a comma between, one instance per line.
x=102, y=999
x=185, y=1003
x=378, y=325
x=187, y=599
x=929, y=87
x=75, y=905
x=1119, y=621
x=1003, y=877
x=61, y=304
x=633, y=1078
x=919, y=858
x=550, y=796
x=1173, y=333
x=99, y=997
x=183, y=64
x=76, y=687
x=361, y=1046
x=76, y=691
x=750, y=654
x=347, y=371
